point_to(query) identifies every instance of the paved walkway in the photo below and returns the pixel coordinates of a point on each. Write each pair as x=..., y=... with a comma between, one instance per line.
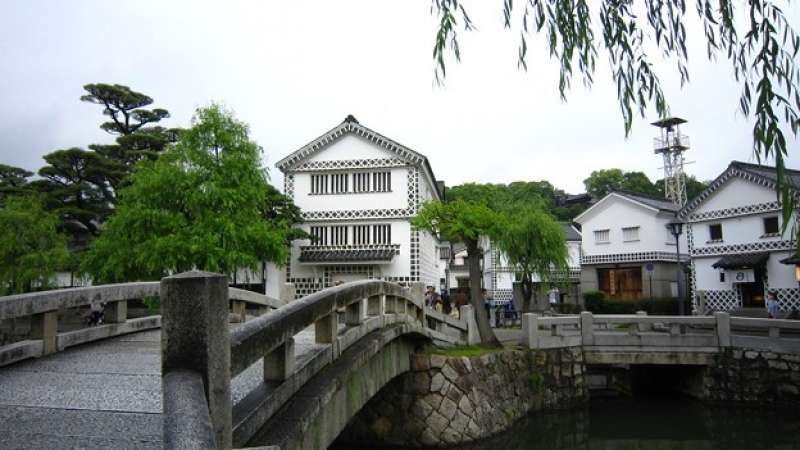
x=96, y=396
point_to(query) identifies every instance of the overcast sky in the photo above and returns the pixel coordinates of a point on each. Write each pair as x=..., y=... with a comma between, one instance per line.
x=294, y=69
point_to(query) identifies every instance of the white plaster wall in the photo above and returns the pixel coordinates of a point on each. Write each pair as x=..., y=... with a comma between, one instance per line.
x=351, y=146
x=707, y=277
x=780, y=275
x=574, y=254
x=275, y=275
x=617, y=214
x=738, y=230
x=396, y=199
x=737, y=192
x=429, y=271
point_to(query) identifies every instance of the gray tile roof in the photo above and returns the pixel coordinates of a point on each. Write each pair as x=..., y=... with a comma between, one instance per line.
x=570, y=233
x=768, y=172
x=660, y=203
x=347, y=255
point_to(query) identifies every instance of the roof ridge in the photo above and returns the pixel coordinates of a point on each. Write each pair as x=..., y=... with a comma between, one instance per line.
x=760, y=166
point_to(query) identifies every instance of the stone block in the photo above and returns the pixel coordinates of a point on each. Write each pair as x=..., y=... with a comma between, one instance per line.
x=448, y=408
x=437, y=422
x=438, y=361
x=449, y=372
x=437, y=382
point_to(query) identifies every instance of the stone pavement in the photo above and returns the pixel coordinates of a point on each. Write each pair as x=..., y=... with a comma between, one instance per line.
x=97, y=396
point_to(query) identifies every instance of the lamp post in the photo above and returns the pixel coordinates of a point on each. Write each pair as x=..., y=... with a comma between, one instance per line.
x=676, y=228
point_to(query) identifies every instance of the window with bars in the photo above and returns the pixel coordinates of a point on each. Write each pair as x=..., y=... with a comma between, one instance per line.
x=357, y=182
x=319, y=184
x=382, y=234
x=381, y=181
x=339, y=235
x=319, y=235
x=444, y=253
x=339, y=183
x=602, y=236
x=630, y=234
x=361, y=234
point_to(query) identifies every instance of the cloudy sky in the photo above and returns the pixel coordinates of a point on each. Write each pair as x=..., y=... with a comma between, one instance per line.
x=294, y=69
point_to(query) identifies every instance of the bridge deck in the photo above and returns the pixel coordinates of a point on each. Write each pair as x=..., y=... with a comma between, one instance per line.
x=101, y=395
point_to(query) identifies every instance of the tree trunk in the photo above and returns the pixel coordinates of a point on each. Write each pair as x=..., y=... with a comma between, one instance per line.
x=527, y=292
x=476, y=297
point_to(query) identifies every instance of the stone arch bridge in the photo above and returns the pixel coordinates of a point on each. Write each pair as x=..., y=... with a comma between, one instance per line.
x=287, y=374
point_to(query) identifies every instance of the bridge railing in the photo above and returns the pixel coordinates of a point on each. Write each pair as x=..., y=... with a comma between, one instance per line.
x=43, y=308
x=641, y=330
x=196, y=342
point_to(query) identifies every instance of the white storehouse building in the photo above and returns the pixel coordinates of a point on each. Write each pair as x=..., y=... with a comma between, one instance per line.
x=736, y=244
x=358, y=191
x=499, y=277
x=628, y=252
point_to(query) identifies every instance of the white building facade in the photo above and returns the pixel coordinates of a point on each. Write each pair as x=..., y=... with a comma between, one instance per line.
x=736, y=243
x=499, y=277
x=358, y=191
x=628, y=252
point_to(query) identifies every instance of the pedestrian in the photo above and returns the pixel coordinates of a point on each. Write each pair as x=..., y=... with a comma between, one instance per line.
x=553, y=296
x=773, y=308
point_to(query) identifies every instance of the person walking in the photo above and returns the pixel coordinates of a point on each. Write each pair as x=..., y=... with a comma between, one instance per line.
x=773, y=308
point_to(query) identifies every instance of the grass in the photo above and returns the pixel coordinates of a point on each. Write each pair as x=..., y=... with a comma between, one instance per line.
x=467, y=350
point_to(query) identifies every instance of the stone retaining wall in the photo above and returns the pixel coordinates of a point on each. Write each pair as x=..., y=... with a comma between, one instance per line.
x=451, y=400
x=754, y=376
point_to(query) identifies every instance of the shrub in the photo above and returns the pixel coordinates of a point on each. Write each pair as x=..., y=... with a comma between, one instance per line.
x=594, y=301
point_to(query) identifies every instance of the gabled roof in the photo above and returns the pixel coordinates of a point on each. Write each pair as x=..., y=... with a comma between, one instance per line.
x=350, y=125
x=656, y=204
x=766, y=176
x=570, y=233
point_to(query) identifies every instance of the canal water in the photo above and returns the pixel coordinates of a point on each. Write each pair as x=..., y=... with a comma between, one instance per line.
x=644, y=423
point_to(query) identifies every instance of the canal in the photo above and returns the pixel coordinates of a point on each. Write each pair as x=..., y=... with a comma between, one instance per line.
x=654, y=422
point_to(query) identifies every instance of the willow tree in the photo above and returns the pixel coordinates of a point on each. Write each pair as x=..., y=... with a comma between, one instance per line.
x=205, y=204
x=461, y=221
x=31, y=248
x=534, y=244
x=758, y=42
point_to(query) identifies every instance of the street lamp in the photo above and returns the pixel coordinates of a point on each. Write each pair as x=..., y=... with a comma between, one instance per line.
x=676, y=228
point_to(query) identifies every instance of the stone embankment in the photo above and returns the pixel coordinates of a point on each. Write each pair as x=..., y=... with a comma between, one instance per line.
x=753, y=376
x=447, y=400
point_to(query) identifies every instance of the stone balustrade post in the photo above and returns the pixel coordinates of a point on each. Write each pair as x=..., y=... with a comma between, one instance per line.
x=468, y=316
x=116, y=312
x=530, y=330
x=723, y=328
x=641, y=326
x=195, y=337
x=44, y=326
x=279, y=364
x=587, y=328
x=240, y=310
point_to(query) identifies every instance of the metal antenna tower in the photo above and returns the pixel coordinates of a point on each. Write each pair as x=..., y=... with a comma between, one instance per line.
x=671, y=144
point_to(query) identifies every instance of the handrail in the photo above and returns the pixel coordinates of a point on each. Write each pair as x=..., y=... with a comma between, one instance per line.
x=640, y=330
x=196, y=338
x=253, y=339
x=43, y=308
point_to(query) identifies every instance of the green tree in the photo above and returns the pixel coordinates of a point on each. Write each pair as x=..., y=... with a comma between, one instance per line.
x=601, y=182
x=31, y=248
x=759, y=43
x=462, y=221
x=13, y=181
x=73, y=182
x=204, y=204
x=138, y=137
x=534, y=244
